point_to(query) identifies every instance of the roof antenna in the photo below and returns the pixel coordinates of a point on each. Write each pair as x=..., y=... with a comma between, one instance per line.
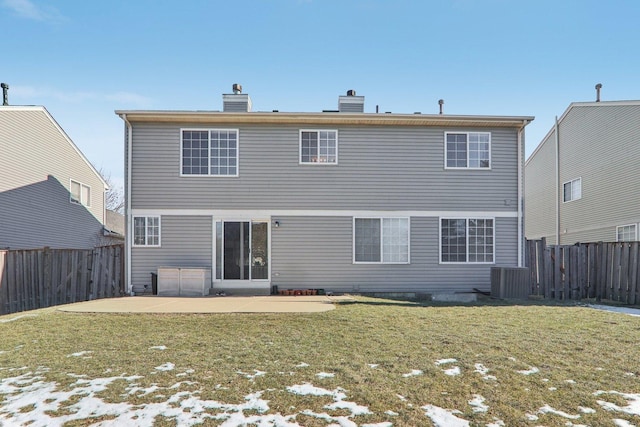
x=440, y=103
x=5, y=93
x=598, y=87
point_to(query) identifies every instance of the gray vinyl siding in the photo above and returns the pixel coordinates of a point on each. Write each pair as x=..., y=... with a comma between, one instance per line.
x=540, y=192
x=37, y=163
x=186, y=241
x=390, y=168
x=599, y=143
x=317, y=252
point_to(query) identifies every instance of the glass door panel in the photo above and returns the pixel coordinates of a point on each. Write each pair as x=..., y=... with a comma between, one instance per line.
x=236, y=251
x=259, y=250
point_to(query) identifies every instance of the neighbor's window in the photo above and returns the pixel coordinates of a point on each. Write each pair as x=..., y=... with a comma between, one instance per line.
x=467, y=240
x=468, y=150
x=319, y=146
x=626, y=233
x=573, y=190
x=381, y=240
x=212, y=152
x=146, y=231
x=80, y=193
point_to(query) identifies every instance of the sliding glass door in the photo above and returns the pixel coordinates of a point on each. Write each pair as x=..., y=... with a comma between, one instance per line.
x=242, y=250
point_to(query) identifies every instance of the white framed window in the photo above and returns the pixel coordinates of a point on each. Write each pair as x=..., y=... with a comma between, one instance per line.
x=381, y=240
x=467, y=240
x=572, y=190
x=467, y=150
x=209, y=152
x=627, y=233
x=146, y=231
x=79, y=193
x=319, y=147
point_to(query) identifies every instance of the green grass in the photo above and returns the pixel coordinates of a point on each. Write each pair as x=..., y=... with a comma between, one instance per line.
x=577, y=350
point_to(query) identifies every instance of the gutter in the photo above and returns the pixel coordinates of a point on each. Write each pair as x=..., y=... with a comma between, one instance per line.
x=521, y=192
x=128, y=233
x=557, y=165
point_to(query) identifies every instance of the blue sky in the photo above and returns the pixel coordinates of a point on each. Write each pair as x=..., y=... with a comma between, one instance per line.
x=84, y=59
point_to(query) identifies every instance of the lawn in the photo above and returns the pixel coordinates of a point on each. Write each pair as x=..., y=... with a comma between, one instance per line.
x=369, y=363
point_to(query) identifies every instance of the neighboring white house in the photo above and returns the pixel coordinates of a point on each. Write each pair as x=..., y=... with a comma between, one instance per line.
x=340, y=200
x=582, y=180
x=50, y=194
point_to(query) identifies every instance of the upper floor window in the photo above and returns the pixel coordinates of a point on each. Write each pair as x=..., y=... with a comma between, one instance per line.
x=626, y=233
x=572, y=190
x=211, y=152
x=468, y=150
x=467, y=240
x=319, y=146
x=146, y=231
x=381, y=240
x=80, y=193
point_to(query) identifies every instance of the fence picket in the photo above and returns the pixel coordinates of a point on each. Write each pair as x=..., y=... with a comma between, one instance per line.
x=633, y=274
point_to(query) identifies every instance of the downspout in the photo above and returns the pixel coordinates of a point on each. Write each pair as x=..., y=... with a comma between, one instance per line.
x=520, y=191
x=128, y=203
x=557, y=184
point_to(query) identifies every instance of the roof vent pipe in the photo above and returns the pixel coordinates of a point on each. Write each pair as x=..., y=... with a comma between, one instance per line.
x=237, y=88
x=351, y=92
x=440, y=103
x=5, y=93
x=598, y=87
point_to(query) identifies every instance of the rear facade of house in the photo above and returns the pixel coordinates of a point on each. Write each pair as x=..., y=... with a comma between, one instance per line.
x=50, y=194
x=581, y=181
x=342, y=200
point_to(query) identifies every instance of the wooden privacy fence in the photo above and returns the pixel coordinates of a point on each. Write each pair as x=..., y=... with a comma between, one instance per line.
x=39, y=278
x=601, y=271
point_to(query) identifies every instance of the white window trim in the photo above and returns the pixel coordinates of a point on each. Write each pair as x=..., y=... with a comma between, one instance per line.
x=353, y=241
x=210, y=175
x=466, y=218
x=468, y=151
x=300, y=162
x=133, y=232
x=571, y=181
x=80, y=202
x=635, y=238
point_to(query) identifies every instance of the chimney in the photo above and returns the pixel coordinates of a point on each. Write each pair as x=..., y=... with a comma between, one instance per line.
x=5, y=93
x=236, y=102
x=598, y=87
x=440, y=103
x=351, y=103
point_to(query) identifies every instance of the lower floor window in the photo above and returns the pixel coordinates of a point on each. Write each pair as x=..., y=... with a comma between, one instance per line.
x=381, y=240
x=466, y=240
x=626, y=233
x=146, y=231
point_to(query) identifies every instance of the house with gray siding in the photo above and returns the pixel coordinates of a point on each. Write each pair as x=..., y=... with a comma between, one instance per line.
x=50, y=194
x=582, y=179
x=346, y=201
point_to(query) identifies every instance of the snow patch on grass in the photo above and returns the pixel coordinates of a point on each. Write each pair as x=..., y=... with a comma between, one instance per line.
x=79, y=354
x=325, y=375
x=633, y=399
x=586, y=410
x=546, y=409
x=477, y=404
x=253, y=376
x=302, y=365
x=452, y=371
x=166, y=367
x=445, y=361
x=443, y=417
x=158, y=347
x=413, y=373
x=532, y=370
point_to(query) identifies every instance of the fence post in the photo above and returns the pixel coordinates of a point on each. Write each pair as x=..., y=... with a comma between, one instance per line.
x=633, y=274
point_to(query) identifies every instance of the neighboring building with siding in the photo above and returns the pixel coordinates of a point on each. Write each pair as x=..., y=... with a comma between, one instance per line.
x=582, y=180
x=343, y=200
x=50, y=195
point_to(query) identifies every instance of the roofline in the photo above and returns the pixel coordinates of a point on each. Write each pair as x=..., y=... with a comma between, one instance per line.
x=215, y=117
x=579, y=104
x=64, y=134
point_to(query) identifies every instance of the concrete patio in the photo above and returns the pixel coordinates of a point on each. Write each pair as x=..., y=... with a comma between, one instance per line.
x=228, y=304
